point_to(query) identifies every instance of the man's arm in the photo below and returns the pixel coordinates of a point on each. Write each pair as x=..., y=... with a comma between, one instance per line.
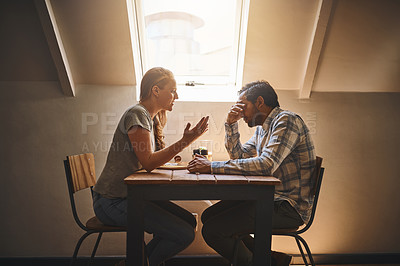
x=232, y=137
x=233, y=146
x=232, y=142
x=282, y=141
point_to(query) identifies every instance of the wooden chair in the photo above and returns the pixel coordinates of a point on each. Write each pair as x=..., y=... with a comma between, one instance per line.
x=80, y=173
x=296, y=232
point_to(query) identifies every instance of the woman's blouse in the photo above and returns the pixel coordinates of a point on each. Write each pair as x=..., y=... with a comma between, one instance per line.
x=121, y=159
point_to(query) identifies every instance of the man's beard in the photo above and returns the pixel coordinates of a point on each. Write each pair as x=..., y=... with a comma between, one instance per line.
x=256, y=120
x=251, y=123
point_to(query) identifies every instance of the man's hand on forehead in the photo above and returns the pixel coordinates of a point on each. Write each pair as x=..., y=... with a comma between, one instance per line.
x=236, y=112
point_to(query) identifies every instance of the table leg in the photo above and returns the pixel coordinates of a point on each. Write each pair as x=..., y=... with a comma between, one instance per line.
x=263, y=229
x=135, y=235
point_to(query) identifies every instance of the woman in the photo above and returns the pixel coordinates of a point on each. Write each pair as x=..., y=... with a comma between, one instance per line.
x=137, y=144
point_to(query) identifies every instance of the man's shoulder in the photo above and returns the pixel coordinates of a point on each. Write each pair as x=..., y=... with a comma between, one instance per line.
x=286, y=114
x=289, y=119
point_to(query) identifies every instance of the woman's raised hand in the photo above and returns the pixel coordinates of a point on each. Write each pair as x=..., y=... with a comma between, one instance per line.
x=190, y=135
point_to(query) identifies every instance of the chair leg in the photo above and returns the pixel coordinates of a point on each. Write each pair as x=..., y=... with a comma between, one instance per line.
x=299, y=238
x=78, y=245
x=96, y=245
x=235, y=250
x=302, y=252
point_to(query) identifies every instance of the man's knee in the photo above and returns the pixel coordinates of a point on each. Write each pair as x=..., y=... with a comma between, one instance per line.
x=204, y=216
x=211, y=230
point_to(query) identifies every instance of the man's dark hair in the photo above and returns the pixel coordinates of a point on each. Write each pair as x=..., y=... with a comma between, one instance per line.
x=260, y=88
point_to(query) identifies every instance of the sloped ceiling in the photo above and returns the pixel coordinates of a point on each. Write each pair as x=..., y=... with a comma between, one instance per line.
x=360, y=47
x=360, y=52
x=278, y=37
x=24, y=54
x=96, y=37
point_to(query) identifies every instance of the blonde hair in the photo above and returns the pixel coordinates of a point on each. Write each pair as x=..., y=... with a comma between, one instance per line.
x=156, y=76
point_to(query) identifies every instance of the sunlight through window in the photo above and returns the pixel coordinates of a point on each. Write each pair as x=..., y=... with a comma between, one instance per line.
x=201, y=42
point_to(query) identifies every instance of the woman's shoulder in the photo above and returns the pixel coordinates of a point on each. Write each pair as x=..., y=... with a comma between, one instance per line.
x=138, y=110
x=137, y=115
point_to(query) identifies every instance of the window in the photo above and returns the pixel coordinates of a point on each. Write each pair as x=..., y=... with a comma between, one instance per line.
x=201, y=42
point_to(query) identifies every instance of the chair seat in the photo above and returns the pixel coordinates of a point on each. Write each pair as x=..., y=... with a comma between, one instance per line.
x=284, y=230
x=95, y=224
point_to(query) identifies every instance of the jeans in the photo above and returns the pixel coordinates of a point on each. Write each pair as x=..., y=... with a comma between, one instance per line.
x=223, y=221
x=172, y=226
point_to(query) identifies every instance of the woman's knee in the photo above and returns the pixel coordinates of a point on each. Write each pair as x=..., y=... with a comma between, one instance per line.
x=186, y=234
x=192, y=221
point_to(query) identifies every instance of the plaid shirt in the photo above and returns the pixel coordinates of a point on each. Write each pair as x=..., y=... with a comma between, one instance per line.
x=281, y=147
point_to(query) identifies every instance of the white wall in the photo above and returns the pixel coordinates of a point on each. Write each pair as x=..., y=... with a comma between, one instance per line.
x=357, y=134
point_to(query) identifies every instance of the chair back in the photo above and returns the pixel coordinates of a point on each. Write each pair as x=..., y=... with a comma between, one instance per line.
x=80, y=174
x=82, y=171
x=316, y=176
x=317, y=181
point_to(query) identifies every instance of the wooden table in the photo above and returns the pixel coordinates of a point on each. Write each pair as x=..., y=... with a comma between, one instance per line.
x=182, y=185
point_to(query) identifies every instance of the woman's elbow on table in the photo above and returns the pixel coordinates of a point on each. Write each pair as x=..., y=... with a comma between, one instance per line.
x=148, y=167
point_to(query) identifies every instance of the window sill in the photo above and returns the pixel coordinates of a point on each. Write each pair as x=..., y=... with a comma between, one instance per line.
x=206, y=93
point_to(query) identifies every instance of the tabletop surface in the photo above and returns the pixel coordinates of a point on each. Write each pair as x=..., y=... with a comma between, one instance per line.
x=160, y=176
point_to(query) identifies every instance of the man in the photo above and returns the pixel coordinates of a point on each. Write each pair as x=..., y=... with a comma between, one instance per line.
x=282, y=147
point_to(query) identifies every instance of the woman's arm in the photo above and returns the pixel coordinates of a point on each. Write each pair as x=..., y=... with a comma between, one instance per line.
x=141, y=142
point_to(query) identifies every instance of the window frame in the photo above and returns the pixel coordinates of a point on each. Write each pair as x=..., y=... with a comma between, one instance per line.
x=203, y=92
